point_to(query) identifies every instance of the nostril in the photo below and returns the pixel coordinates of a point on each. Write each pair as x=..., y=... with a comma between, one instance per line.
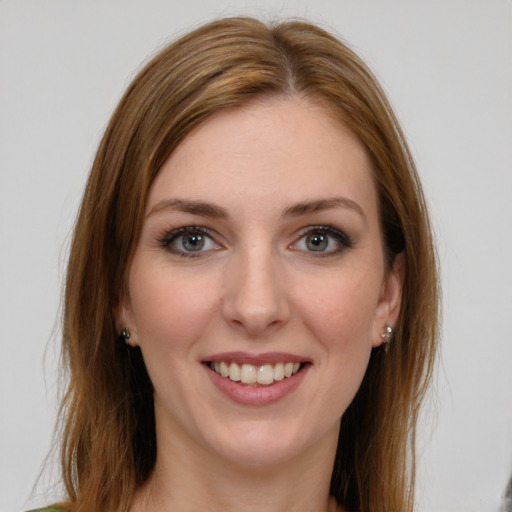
x=254, y=298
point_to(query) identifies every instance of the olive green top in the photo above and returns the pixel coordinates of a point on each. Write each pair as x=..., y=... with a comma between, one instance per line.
x=49, y=509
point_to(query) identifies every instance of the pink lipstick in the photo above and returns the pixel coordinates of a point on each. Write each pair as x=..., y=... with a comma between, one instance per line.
x=256, y=379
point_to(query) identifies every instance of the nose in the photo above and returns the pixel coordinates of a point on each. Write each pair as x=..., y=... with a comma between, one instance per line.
x=255, y=298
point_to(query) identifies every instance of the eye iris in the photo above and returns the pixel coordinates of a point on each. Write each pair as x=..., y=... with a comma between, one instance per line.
x=193, y=242
x=317, y=242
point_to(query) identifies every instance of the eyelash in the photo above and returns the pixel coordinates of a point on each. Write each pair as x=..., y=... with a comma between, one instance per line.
x=342, y=240
x=166, y=241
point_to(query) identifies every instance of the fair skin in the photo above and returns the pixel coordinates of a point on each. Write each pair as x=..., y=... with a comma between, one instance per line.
x=261, y=247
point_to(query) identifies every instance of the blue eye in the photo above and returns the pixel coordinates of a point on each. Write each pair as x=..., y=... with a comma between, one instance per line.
x=323, y=240
x=189, y=241
x=192, y=241
x=317, y=242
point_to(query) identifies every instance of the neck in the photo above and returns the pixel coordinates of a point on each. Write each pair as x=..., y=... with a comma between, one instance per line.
x=191, y=481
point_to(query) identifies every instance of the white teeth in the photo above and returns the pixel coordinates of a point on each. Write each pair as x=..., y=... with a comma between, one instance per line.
x=265, y=374
x=248, y=374
x=279, y=371
x=234, y=372
x=223, y=369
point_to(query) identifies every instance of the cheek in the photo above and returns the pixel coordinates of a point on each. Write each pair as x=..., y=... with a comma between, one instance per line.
x=341, y=311
x=341, y=319
x=167, y=309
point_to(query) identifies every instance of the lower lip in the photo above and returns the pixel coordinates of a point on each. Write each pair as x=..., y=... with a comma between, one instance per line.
x=257, y=395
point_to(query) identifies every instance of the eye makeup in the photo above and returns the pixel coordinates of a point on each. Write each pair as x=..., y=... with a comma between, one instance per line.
x=194, y=241
x=189, y=241
x=322, y=241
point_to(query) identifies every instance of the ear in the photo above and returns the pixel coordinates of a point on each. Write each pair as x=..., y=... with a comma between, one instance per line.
x=124, y=320
x=390, y=299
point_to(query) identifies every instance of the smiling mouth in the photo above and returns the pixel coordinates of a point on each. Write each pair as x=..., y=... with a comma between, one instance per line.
x=255, y=375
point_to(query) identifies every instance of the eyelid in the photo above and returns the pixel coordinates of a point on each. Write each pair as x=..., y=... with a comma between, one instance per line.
x=343, y=240
x=171, y=235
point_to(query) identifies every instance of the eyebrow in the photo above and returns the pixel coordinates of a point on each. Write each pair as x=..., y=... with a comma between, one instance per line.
x=318, y=205
x=206, y=209
x=195, y=207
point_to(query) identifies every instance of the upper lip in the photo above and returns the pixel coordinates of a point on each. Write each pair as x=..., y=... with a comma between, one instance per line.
x=256, y=359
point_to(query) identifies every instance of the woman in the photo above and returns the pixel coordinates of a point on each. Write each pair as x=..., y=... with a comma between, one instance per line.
x=251, y=300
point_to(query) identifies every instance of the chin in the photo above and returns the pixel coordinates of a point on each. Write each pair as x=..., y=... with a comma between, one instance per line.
x=255, y=446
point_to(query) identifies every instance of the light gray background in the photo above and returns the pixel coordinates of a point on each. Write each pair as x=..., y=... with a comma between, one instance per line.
x=447, y=66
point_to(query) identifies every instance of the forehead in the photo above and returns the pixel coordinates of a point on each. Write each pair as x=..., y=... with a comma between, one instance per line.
x=278, y=149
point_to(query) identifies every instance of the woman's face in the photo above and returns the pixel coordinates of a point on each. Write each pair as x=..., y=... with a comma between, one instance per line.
x=260, y=259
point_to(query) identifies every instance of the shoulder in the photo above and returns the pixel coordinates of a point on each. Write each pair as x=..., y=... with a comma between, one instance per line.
x=48, y=509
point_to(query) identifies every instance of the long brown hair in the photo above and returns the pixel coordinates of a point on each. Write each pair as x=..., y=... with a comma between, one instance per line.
x=108, y=436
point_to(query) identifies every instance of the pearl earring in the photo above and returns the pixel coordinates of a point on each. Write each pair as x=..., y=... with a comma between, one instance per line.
x=125, y=336
x=387, y=336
